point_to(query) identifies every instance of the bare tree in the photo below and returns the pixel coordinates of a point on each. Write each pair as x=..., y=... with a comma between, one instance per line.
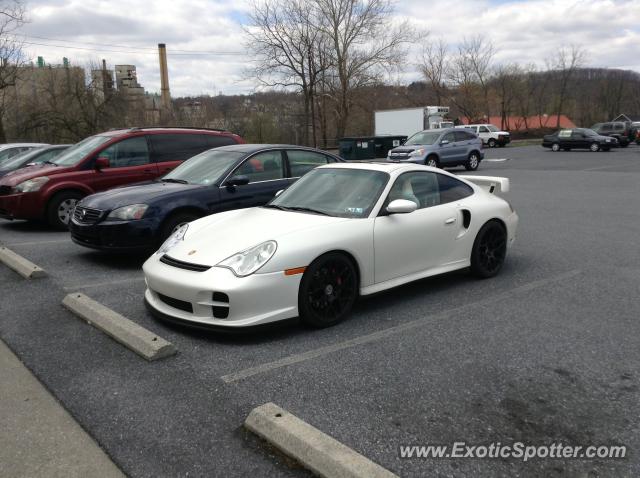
x=363, y=45
x=466, y=93
x=285, y=42
x=565, y=65
x=506, y=83
x=477, y=53
x=12, y=17
x=434, y=66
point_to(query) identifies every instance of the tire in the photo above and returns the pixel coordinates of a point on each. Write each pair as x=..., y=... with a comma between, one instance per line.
x=173, y=222
x=473, y=162
x=489, y=250
x=60, y=208
x=595, y=147
x=432, y=161
x=555, y=147
x=328, y=290
x=491, y=143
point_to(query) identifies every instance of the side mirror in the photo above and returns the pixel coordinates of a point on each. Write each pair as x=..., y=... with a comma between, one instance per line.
x=239, y=180
x=278, y=193
x=443, y=142
x=401, y=206
x=101, y=163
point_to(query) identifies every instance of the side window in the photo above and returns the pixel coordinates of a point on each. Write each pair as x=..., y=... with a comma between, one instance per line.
x=462, y=136
x=576, y=135
x=451, y=189
x=606, y=127
x=265, y=166
x=448, y=137
x=128, y=152
x=484, y=129
x=215, y=141
x=618, y=126
x=176, y=147
x=419, y=187
x=301, y=162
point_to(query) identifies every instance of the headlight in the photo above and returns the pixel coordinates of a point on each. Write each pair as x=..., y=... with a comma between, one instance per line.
x=174, y=239
x=417, y=152
x=250, y=260
x=128, y=213
x=31, y=185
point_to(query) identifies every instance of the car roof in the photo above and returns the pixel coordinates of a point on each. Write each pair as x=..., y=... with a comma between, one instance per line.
x=253, y=147
x=20, y=145
x=386, y=167
x=163, y=129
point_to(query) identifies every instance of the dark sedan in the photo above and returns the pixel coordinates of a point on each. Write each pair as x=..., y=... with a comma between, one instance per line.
x=578, y=138
x=39, y=155
x=140, y=217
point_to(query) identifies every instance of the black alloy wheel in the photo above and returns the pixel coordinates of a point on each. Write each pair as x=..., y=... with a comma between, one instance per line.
x=489, y=250
x=328, y=290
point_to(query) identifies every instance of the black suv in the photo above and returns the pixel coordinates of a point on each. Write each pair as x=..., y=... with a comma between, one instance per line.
x=616, y=129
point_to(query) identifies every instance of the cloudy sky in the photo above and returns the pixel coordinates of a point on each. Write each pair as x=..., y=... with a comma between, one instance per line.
x=205, y=41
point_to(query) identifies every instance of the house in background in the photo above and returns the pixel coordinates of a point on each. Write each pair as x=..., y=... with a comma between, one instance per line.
x=624, y=117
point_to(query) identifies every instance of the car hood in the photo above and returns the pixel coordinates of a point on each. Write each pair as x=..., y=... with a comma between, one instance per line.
x=23, y=174
x=136, y=194
x=214, y=238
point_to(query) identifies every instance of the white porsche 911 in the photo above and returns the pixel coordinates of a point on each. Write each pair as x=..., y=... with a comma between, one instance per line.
x=341, y=231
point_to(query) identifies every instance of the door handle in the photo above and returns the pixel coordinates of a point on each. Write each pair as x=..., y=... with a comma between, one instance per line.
x=451, y=220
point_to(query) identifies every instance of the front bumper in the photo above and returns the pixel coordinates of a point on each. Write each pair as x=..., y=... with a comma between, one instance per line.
x=140, y=235
x=22, y=206
x=203, y=298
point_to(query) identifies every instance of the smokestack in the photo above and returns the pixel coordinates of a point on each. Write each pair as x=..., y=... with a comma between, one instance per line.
x=165, y=96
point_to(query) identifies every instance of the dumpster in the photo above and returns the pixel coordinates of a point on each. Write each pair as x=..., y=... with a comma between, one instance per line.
x=359, y=148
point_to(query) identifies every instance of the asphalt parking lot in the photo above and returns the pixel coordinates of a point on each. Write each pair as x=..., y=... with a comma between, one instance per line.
x=548, y=351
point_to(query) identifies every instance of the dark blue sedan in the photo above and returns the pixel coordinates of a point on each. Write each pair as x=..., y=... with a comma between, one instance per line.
x=140, y=217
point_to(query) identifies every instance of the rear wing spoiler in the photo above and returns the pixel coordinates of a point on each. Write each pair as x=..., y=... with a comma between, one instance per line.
x=492, y=184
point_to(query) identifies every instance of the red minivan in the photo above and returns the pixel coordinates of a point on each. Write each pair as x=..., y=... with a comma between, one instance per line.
x=51, y=190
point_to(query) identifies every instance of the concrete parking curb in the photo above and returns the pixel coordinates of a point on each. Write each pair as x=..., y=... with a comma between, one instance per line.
x=313, y=449
x=136, y=338
x=22, y=266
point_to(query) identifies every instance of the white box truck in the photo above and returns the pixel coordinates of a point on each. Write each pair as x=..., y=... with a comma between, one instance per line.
x=407, y=121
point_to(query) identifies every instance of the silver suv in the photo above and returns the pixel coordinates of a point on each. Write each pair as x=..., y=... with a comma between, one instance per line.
x=441, y=148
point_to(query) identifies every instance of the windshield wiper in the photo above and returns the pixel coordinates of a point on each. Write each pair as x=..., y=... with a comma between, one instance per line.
x=275, y=206
x=173, y=180
x=47, y=162
x=307, y=209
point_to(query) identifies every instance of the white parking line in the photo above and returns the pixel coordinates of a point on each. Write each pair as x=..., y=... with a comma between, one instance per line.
x=102, y=284
x=381, y=334
x=37, y=243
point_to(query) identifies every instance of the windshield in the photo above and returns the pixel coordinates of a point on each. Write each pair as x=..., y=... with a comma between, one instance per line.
x=335, y=192
x=590, y=132
x=492, y=128
x=205, y=168
x=79, y=151
x=423, y=137
x=19, y=158
x=9, y=153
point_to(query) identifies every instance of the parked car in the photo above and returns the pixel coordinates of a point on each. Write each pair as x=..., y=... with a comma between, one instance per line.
x=578, y=138
x=310, y=252
x=101, y=162
x=635, y=131
x=490, y=135
x=9, y=150
x=616, y=129
x=40, y=155
x=231, y=177
x=441, y=148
